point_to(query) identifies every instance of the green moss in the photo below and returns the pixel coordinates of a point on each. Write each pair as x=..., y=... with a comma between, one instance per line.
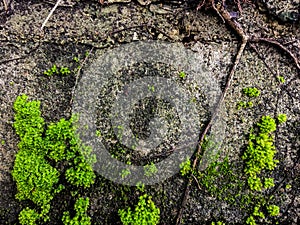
x=125, y=173
x=37, y=180
x=250, y=220
x=150, y=169
x=281, y=118
x=251, y=92
x=268, y=183
x=273, y=210
x=81, y=217
x=218, y=223
x=288, y=186
x=145, y=213
x=54, y=70
x=260, y=151
x=281, y=79
x=182, y=74
x=243, y=104
x=185, y=167
x=28, y=216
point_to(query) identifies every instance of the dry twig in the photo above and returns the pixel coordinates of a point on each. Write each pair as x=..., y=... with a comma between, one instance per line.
x=5, y=5
x=237, y=28
x=50, y=14
x=279, y=45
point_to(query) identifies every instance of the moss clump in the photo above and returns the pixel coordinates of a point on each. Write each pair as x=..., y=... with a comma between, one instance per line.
x=145, y=213
x=58, y=71
x=251, y=92
x=150, y=169
x=37, y=180
x=260, y=152
x=185, y=167
x=80, y=217
x=273, y=210
x=281, y=118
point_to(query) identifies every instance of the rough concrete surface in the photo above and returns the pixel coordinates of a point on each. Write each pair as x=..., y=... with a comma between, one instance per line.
x=77, y=27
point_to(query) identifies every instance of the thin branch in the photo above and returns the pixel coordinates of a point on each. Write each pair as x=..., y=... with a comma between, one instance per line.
x=279, y=45
x=50, y=14
x=5, y=5
x=237, y=28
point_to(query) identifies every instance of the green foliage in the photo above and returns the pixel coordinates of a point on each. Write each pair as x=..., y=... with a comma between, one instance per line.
x=254, y=183
x=288, y=186
x=150, y=169
x=64, y=71
x=257, y=212
x=28, y=118
x=145, y=213
x=268, y=183
x=151, y=88
x=250, y=220
x=260, y=152
x=125, y=173
x=81, y=174
x=81, y=217
x=28, y=217
x=259, y=156
x=251, y=92
x=217, y=174
x=34, y=176
x=36, y=179
x=58, y=135
x=182, y=74
x=58, y=71
x=273, y=210
x=281, y=118
x=51, y=71
x=281, y=79
x=243, y=104
x=185, y=167
x=217, y=223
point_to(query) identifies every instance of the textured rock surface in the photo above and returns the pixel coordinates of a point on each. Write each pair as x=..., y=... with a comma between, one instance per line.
x=26, y=51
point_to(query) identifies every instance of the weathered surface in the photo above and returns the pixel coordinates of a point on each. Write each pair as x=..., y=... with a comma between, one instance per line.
x=73, y=29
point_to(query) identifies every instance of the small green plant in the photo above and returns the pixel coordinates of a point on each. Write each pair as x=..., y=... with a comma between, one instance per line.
x=268, y=183
x=273, y=210
x=217, y=223
x=288, y=186
x=51, y=71
x=250, y=220
x=281, y=118
x=251, y=92
x=257, y=212
x=151, y=88
x=145, y=213
x=243, y=104
x=76, y=59
x=182, y=74
x=281, y=79
x=2, y=142
x=81, y=217
x=58, y=71
x=185, y=167
x=64, y=71
x=150, y=169
x=140, y=186
x=125, y=173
